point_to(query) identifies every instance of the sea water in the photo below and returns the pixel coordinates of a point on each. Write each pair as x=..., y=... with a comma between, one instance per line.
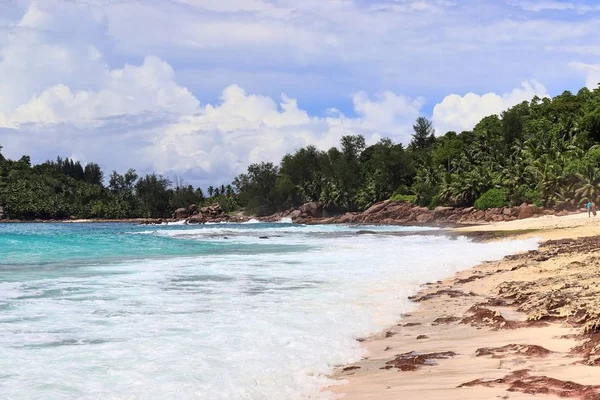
x=222, y=311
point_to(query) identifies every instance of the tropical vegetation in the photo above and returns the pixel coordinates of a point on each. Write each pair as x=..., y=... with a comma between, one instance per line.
x=544, y=152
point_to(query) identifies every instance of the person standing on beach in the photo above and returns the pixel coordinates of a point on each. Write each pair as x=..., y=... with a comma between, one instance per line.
x=593, y=208
x=588, y=206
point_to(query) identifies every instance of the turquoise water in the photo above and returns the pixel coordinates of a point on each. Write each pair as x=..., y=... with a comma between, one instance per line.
x=225, y=311
x=39, y=244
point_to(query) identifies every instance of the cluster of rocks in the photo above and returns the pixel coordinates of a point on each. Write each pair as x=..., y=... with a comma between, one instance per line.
x=404, y=213
x=200, y=215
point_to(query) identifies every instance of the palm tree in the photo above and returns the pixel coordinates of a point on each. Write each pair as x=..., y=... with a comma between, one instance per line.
x=589, y=183
x=211, y=191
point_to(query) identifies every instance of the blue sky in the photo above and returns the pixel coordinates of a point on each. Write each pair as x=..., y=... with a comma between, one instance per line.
x=201, y=88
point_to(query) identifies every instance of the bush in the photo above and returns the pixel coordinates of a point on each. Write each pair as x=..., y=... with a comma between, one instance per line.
x=525, y=194
x=435, y=201
x=493, y=198
x=409, y=198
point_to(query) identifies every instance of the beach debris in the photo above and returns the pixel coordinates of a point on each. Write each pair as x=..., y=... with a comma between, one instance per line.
x=521, y=381
x=412, y=361
x=351, y=368
x=525, y=350
x=445, y=320
x=421, y=337
x=484, y=317
x=452, y=293
x=409, y=324
x=589, y=350
x=471, y=278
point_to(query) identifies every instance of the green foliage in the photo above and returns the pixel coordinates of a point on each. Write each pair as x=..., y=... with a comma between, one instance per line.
x=493, y=198
x=408, y=198
x=257, y=188
x=544, y=152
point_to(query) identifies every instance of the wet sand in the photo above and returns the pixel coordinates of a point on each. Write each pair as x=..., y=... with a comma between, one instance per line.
x=525, y=327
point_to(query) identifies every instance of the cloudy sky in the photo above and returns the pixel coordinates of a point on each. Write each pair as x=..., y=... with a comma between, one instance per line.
x=201, y=88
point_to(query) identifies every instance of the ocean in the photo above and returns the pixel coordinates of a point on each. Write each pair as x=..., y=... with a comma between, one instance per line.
x=222, y=311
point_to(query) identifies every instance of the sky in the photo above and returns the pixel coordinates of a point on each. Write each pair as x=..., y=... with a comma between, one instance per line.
x=200, y=89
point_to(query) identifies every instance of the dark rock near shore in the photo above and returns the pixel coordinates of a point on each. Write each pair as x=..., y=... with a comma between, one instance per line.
x=180, y=213
x=213, y=213
x=390, y=212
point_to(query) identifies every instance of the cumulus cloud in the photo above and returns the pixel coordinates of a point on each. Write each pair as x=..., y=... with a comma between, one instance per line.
x=458, y=113
x=73, y=103
x=149, y=87
x=54, y=82
x=140, y=84
x=221, y=140
x=591, y=72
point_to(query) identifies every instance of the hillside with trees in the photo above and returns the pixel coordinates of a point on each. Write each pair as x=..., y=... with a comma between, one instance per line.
x=65, y=188
x=544, y=152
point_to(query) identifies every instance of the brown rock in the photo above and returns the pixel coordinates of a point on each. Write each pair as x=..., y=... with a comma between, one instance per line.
x=180, y=213
x=294, y=214
x=197, y=219
x=375, y=208
x=312, y=209
x=347, y=218
x=424, y=218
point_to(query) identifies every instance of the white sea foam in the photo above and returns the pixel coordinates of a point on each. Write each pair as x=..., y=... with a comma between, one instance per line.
x=257, y=325
x=286, y=220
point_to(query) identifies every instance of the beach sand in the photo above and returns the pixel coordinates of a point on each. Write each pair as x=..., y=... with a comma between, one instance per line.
x=520, y=328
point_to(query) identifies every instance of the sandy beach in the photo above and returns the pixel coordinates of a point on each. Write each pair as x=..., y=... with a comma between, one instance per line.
x=521, y=328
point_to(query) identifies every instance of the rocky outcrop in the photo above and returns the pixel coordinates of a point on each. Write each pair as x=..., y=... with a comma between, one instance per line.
x=403, y=213
x=528, y=211
x=180, y=213
x=313, y=209
x=213, y=213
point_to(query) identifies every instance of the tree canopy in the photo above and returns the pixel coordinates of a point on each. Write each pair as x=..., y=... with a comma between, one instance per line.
x=544, y=151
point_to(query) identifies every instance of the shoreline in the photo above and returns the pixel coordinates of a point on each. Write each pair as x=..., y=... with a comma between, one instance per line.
x=511, y=329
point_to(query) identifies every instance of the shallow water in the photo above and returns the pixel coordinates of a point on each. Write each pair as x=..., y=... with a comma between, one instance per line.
x=224, y=311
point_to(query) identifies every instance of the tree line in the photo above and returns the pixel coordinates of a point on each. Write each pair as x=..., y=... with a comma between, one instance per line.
x=65, y=188
x=544, y=151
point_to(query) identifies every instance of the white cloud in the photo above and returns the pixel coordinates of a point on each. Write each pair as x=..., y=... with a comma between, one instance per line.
x=459, y=113
x=131, y=90
x=591, y=71
x=108, y=80
x=223, y=139
x=542, y=5
x=71, y=82
x=65, y=99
